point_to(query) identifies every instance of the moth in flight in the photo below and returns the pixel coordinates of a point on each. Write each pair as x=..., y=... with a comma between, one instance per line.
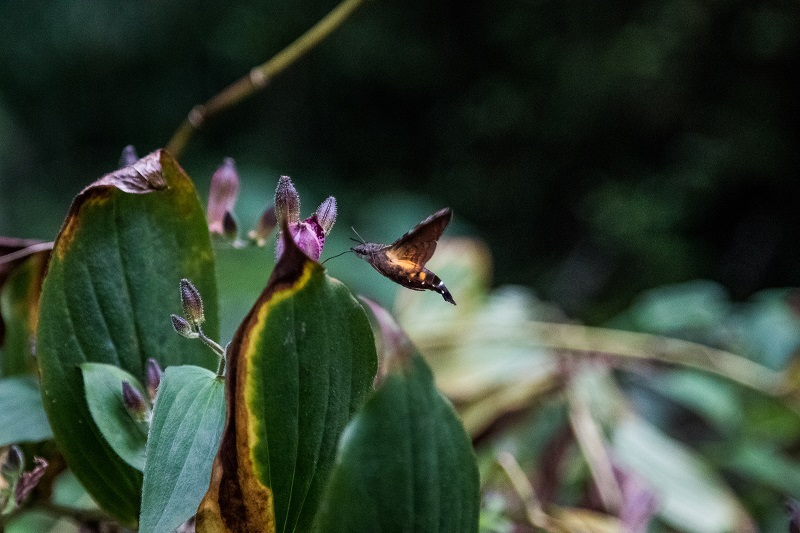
x=404, y=260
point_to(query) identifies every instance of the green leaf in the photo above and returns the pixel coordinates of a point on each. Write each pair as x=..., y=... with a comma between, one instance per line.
x=103, y=386
x=405, y=462
x=19, y=304
x=762, y=465
x=111, y=285
x=20, y=394
x=184, y=436
x=300, y=364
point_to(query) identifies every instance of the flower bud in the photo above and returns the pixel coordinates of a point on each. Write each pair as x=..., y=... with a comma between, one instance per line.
x=266, y=223
x=222, y=196
x=192, y=303
x=326, y=214
x=128, y=156
x=182, y=327
x=287, y=201
x=153, y=377
x=134, y=402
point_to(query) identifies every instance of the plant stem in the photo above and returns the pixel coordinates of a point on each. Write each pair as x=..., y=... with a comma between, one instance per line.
x=592, y=444
x=260, y=76
x=216, y=348
x=524, y=489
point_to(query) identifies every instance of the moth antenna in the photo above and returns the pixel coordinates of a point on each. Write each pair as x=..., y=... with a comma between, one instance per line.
x=359, y=236
x=335, y=256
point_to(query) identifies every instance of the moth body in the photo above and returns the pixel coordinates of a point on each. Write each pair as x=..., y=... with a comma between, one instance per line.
x=404, y=260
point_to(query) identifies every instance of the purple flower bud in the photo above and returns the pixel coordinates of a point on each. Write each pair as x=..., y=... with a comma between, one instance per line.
x=128, y=156
x=266, y=223
x=326, y=214
x=192, y=303
x=134, y=402
x=287, y=201
x=222, y=195
x=182, y=327
x=153, y=377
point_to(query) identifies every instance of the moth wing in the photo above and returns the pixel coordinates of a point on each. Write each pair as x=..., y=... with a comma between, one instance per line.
x=418, y=244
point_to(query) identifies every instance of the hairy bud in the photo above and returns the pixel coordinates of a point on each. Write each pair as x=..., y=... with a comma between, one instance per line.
x=182, y=327
x=192, y=303
x=134, y=402
x=153, y=377
x=287, y=201
x=326, y=214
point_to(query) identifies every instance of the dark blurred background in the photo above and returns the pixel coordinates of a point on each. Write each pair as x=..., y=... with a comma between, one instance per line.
x=599, y=148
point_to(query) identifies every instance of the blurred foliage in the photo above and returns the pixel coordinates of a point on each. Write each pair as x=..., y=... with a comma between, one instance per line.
x=705, y=441
x=606, y=153
x=600, y=148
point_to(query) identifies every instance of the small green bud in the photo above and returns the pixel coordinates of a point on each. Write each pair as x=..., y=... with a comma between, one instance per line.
x=183, y=328
x=153, y=377
x=192, y=303
x=134, y=402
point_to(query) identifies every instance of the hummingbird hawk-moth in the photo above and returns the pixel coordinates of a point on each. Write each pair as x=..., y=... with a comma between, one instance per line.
x=404, y=260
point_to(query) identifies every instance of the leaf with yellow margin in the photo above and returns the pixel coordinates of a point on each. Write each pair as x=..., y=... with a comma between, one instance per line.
x=299, y=366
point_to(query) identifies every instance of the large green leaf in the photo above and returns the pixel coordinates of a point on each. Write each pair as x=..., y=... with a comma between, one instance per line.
x=184, y=436
x=22, y=417
x=19, y=304
x=405, y=462
x=299, y=365
x=111, y=285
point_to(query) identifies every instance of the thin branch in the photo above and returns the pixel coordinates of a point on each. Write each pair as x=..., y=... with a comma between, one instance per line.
x=524, y=489
x=25, y=252
x=624, y=344
x=590, y=440
x=260, y=76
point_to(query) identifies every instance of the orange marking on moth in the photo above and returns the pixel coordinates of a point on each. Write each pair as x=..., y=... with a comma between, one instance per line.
x=422, y=276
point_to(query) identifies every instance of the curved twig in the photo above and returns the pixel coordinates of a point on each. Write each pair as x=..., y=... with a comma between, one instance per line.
x=260, y=76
